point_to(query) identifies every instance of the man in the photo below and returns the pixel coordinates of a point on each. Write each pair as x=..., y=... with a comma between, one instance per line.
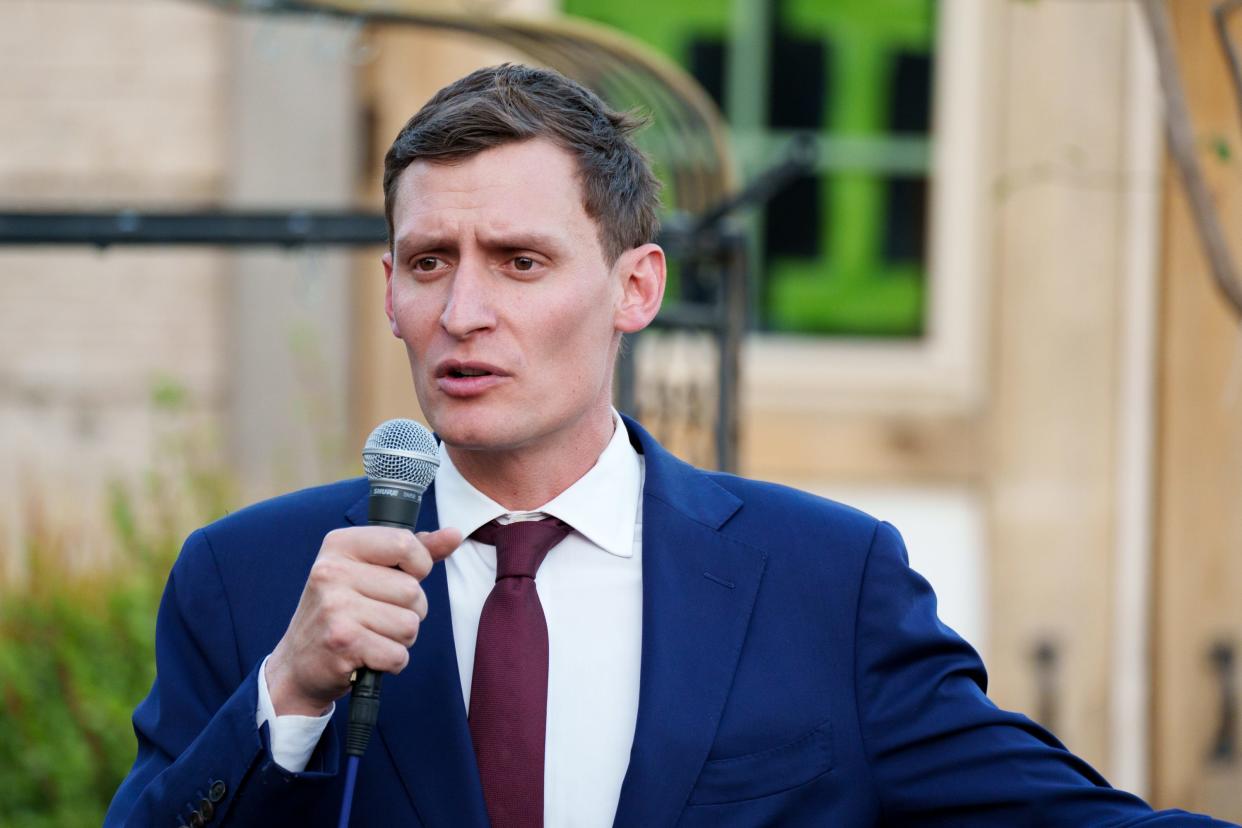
x=700, y=650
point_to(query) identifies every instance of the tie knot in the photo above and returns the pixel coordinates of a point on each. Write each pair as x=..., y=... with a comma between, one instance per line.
x=521, y=546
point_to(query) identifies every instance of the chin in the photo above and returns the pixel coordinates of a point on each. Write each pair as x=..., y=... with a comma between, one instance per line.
x=467, y=431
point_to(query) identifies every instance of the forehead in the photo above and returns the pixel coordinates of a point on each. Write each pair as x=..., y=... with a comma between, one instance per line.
x=531, y=185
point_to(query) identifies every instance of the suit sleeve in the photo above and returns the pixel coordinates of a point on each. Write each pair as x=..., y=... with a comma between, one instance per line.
x=940, y=752
x=199, y=748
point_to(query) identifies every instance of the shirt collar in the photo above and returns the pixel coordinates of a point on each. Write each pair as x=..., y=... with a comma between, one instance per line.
x=601, y=505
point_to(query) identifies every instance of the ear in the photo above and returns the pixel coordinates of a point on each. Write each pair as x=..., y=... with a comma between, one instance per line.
x=642, y=271
x=386, y=259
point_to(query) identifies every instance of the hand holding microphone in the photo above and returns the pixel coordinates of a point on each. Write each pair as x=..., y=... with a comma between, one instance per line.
x=363, y=603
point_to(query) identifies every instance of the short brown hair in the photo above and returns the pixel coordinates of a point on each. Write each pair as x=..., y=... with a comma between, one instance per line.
x=510, y=103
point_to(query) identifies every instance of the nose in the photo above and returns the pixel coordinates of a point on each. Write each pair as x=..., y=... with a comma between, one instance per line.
x=469, y=306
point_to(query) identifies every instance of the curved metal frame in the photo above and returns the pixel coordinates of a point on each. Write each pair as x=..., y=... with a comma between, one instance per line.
x=687, y=136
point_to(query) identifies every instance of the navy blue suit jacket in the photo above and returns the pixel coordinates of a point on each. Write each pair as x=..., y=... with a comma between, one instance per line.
x=794, y=673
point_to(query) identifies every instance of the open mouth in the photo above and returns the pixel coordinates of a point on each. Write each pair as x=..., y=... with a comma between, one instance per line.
x=459, y=373
x=469, y=379
x=452, y=369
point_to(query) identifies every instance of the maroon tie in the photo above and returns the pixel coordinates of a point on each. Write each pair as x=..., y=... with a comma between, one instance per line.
x=509, y=690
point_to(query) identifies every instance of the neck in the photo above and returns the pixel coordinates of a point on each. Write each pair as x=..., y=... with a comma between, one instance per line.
x=526, y=477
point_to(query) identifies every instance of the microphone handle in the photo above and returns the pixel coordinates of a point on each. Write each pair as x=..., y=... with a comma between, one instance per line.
x=400, y=511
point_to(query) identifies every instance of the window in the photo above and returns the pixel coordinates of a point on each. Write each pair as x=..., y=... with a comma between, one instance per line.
x=842, y=251
x=923, y=301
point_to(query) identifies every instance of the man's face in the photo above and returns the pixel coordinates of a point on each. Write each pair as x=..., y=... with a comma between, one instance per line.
x=499, y=288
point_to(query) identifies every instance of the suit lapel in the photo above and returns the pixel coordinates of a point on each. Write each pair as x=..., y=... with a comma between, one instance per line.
x=422, y=720
x=699, y=588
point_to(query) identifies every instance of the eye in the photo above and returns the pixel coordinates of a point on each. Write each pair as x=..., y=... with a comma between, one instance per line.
x=426, y=264
x=523, y=263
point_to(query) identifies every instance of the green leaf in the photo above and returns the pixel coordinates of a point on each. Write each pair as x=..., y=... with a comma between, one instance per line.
x=1222, y=149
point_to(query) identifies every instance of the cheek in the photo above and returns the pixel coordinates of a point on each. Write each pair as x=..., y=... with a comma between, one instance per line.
x=415, y=316
x=581, y=321
x=579, y=338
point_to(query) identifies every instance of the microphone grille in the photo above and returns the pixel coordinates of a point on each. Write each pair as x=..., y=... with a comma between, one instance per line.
x=401, y=450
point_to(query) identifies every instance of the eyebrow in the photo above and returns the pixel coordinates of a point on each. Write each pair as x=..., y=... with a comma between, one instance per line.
x=523, y=240
x=411, y=242
x=516, y=240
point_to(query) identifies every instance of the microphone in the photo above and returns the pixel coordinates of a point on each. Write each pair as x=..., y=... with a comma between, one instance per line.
x=400, y=458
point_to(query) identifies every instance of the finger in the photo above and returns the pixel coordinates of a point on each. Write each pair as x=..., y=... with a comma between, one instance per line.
x=442, y=542
x=373, y=544
x=382, y=546
x=421, y=551
x=352, y=644
x=391, y=586
x=395, y=623
x=382, y=654
x=390, y=546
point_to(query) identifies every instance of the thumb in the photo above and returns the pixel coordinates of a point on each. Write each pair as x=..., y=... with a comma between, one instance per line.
x=442, y=542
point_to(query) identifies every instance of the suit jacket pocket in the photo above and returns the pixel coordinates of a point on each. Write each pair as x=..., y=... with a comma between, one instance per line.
x=765, y=773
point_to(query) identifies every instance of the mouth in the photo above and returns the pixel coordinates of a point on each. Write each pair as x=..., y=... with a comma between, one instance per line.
x=453, y=369
x=467, y=379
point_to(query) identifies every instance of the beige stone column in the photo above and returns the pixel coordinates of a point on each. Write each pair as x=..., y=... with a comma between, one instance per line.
x=294, y=138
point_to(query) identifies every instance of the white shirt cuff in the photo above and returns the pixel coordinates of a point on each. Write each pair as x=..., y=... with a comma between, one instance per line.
x=293, y=738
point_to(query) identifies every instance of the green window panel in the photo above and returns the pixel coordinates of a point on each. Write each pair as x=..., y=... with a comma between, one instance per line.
x=842, y=252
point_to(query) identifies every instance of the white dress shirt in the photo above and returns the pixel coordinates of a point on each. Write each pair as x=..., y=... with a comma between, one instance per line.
x=590, y=585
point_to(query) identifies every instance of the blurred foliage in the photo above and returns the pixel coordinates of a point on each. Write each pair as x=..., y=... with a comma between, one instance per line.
x=1220, y=146
x=77, y=646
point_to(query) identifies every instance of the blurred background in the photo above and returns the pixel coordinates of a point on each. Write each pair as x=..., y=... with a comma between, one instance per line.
x=933, y=259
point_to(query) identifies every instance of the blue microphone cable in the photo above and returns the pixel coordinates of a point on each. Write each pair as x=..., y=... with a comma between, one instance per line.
x=364, y=702
x=347, y=801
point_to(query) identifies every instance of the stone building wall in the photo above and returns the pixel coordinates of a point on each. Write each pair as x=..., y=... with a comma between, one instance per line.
x=118, y=103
